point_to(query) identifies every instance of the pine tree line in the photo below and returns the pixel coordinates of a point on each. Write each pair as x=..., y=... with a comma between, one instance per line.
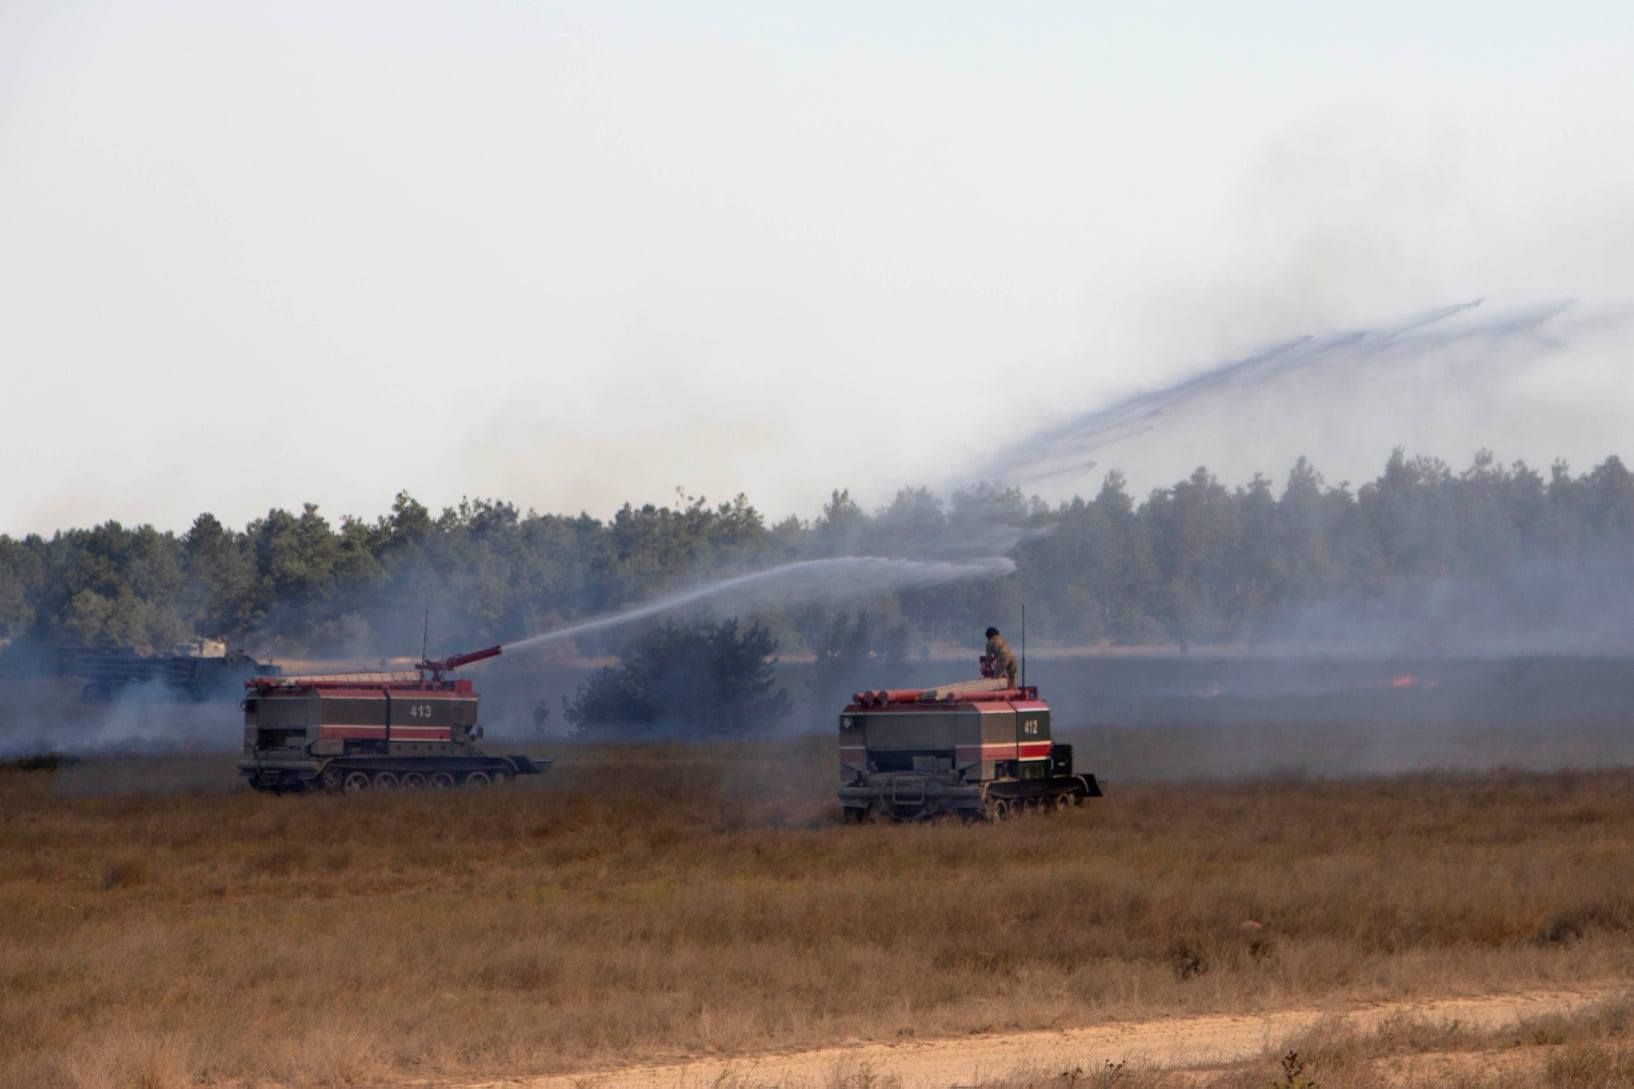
x=1195, y=562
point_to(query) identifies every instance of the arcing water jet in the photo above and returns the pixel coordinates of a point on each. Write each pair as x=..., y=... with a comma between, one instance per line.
x=837, y=578
x=1066, y=448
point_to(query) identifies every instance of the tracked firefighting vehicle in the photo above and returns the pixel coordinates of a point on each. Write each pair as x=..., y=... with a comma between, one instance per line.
x=977, y=749
x=371, y=731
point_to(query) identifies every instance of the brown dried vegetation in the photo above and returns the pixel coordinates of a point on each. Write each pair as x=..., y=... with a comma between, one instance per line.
x=647, y=902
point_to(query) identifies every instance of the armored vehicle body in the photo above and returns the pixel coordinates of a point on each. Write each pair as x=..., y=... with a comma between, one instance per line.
x=110, y=671
x=978, y=749
x=371, y=731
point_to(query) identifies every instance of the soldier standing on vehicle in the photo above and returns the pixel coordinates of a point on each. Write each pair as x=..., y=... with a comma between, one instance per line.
x=998, y=652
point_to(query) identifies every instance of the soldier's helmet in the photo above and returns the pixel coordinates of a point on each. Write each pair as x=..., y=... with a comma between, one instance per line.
x=992, y=632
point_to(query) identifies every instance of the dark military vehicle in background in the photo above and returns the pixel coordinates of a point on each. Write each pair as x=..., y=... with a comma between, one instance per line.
x=195, y=671
x=978, y=749
x=371, y=731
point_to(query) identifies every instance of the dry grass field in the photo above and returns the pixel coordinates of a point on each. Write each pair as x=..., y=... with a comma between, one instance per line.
x=161, y=927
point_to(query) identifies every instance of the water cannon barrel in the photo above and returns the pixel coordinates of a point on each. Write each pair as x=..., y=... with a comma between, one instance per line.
x=880, y=697
x=441, y=665
x=976, y=691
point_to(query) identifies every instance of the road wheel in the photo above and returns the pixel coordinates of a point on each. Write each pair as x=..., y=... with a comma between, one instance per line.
x=441, y=780
x=479, y=779
x=355, y=781
x=330, y=779
x=1063, y=802
x=385, y=780
x=413, y=780
x=998, y=809
x=501, y=776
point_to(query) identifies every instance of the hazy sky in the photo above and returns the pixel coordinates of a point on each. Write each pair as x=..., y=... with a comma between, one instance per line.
x=569, y=255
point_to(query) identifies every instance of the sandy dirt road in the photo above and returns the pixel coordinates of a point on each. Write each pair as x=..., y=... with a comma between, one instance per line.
x=1180, y=1042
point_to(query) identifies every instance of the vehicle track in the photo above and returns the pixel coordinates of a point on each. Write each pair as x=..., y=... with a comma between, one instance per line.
x=1211, y=1040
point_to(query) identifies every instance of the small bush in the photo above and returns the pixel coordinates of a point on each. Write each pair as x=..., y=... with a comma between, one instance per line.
x=1293, y=1074
x=1187, y=960
x=699, y=681
x=125, y=873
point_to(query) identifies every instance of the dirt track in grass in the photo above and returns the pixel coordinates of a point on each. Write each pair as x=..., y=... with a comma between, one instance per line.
x=1199, y=1044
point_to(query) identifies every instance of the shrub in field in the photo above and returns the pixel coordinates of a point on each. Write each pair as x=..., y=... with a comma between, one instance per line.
x=124, y=873
x=1293, y=1074
x=693, y=681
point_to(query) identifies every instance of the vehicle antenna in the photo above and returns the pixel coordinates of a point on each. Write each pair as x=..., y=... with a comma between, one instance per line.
x=1024, y=644
x=425, y=637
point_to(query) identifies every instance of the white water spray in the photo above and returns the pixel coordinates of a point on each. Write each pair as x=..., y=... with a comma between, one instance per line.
x=839, y=578
x=1420, y=341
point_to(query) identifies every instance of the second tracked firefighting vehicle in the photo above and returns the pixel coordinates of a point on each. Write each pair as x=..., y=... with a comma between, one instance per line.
x=371, y=731
x=978, y=749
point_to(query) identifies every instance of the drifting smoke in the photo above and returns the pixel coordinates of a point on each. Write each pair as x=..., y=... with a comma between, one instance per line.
x=1583, y=606
x=837, y=579
x=43, y=716
x=1423, y=341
